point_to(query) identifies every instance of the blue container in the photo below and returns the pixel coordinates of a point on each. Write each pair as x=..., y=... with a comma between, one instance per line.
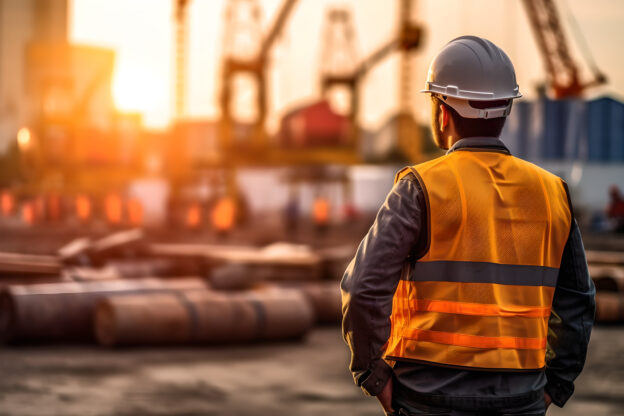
x=570, y=129
x=605, y=130
x=564, y=127
x=574, y=147
x=616, y=132
x=536, y=128
x=516, y=129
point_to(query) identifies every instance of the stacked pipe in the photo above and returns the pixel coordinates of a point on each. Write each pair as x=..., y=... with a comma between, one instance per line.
x=323, y=296
x=607, y=271
x=63, y=312
x=101, y=291
x=202, y=317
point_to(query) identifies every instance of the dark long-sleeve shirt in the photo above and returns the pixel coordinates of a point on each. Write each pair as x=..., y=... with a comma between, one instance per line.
x=372, y=277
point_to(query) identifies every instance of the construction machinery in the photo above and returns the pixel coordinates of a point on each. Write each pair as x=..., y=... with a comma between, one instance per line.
x=562, y=72
x=407, y=39
x=243, y=18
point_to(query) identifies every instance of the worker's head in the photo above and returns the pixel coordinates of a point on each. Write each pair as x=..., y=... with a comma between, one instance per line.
x=472, y=84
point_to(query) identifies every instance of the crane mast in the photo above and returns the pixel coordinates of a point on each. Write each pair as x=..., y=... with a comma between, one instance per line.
x=181, y=60
x=256, y=66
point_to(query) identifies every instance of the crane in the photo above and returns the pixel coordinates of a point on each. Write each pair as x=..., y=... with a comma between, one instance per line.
x=407, y=39
x=255, y=66
x=562, y=71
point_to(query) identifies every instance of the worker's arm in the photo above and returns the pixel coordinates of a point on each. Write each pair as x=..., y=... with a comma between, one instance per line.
x=371, y=279
x=571, y=320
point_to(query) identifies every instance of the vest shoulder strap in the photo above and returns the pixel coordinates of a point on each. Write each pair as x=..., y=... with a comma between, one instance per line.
x=416, y=169
x=401, y=174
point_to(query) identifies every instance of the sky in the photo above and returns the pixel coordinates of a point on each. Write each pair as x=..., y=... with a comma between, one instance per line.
x=142, y=31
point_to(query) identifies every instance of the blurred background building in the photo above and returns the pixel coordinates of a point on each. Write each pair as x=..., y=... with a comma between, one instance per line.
x=21, y=25
x=101, y=99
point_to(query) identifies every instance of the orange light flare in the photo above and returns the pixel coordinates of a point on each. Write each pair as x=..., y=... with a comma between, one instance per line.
x=193, y=216
x=83, y=208
x=24, y=138
x=320, y=211
x=224, y=214
x=7, y=203
x=28, y=213
x=135, y=212
x=113, y=208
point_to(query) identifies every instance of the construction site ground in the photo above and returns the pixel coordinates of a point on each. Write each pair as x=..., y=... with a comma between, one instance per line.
x=305, y=378
x=297, y=378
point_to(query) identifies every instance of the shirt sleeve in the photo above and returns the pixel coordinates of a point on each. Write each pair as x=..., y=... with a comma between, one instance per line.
x=571, y=320
x=369, y=283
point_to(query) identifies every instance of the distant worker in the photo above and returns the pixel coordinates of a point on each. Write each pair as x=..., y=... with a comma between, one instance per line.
x=470, y=294
x=615, y=210
x=291, y=211
x=320, y=213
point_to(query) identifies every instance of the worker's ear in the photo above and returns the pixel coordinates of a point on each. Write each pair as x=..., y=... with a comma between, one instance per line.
x=444, y=117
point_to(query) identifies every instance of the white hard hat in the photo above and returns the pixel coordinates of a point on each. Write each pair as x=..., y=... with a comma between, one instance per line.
x=471, y=68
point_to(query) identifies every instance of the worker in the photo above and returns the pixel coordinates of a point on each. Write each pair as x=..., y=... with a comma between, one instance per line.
x=470, y=294
x=291, y=211
x=615, y=209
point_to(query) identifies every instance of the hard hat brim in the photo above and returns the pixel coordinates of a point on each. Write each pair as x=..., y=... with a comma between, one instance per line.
x=454, y=91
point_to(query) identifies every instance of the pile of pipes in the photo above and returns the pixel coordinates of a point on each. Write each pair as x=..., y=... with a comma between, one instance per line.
x=607, y=271
x=122, y=290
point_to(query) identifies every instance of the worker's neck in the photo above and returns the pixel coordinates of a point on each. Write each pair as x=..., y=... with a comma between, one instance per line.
x=450, y=140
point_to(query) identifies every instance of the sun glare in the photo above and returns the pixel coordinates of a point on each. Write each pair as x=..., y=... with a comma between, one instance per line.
x=137, y=89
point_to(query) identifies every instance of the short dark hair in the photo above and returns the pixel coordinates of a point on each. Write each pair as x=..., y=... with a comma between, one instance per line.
x=474, y=127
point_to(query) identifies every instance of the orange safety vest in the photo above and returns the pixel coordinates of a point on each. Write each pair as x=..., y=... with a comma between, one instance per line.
x=479, y=295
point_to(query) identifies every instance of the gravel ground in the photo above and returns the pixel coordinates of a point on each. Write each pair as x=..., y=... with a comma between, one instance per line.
x=305, y=378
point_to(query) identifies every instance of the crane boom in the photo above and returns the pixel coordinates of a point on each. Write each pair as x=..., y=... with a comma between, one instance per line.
x=374, y=58
x=276, y=28
x=562, y=71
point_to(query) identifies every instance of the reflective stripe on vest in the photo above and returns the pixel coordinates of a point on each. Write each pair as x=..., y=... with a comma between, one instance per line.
x=480, y=295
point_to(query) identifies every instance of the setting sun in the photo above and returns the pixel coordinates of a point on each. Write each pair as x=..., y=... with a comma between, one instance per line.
x=136, y=89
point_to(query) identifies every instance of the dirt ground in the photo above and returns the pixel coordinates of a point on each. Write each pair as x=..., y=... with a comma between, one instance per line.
x=307, y=378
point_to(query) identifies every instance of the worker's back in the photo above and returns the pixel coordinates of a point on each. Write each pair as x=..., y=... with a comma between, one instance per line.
x=470, y=293
x=479, y=294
